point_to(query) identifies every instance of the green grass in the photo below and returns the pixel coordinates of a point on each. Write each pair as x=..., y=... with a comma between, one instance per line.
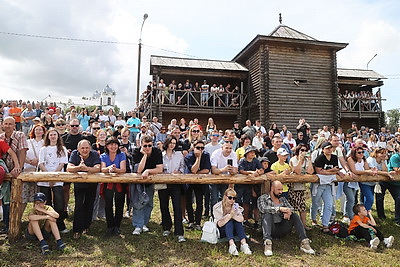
x=152, y=248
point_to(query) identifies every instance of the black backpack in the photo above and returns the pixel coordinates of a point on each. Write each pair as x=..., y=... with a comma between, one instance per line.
x=338, y=229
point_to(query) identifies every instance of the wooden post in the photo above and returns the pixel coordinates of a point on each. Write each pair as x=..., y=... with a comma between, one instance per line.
x=15, y=209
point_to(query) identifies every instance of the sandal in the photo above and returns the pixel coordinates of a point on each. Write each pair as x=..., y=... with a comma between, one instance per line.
x=325, y=229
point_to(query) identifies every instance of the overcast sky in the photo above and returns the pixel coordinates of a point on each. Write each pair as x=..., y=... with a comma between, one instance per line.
x=32, y=68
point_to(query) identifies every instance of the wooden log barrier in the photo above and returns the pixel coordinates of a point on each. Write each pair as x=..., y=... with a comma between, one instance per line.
x=81, y=177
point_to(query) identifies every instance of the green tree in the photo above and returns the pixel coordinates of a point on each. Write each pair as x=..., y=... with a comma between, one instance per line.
x=393, y=118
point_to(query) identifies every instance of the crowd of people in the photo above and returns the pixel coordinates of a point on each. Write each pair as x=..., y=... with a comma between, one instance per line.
x=202, y=94
x=94, y=142
x=360, y=100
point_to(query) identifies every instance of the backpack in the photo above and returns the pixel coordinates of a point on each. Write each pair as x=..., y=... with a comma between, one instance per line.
x=210, y=232
x=338, y=229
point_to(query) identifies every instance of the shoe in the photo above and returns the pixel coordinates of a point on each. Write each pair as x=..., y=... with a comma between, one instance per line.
x=166, y=233
x=184, y=221
x=268, y=247
x=85, y=232
x=346, y=220
x=245, y=249
x=190, y=226
x=181, y=239
x=137, y=231
x=388, y=241
x=60, y=245
x=145, y=229
x=197, y=227
x=247, y=224
x=116, y=231
x=373, y=244
x=126, y=214
x=45, y=249
x=233, y=251
x=76, y=235
x=305, y=246
x=65, y=231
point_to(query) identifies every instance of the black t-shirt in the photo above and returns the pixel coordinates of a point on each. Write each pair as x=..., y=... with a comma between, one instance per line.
x=272, y=156
x=99, y=148
x=238, y=132
x=92, y=160
x=151, y=162
x=71, y=140
x=322, y=162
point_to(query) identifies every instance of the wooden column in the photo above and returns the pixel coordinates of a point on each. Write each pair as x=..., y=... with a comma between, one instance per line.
x=15, y=209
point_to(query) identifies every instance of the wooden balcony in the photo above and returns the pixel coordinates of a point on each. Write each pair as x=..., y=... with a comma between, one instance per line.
x=360, y=107
x=194, y=102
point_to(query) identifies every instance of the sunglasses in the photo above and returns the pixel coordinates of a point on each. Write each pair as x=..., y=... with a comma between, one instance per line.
x=195, y=131
x=199, y=147
x=215, y=135
x=74, y=125
x=96, y=128
x=146, y=146
x=231, y=197
x=360, y=152
x=302, y=150
x=60, y=124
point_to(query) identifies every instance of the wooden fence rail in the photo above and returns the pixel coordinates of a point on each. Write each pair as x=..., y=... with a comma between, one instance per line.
x=81, y=177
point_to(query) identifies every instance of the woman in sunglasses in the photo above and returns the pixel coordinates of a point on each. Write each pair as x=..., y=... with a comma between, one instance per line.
x=359, y=166
x=194, y=135
x=300, y=164
x=228, y=215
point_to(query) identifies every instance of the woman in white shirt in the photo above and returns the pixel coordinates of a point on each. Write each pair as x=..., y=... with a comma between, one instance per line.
x=174, y=163
x=52, y=157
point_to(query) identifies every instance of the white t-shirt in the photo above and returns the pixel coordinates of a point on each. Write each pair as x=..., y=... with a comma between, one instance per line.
x=103, y=118
x=119, y=122
x=210, y=148
x=220, y=161
x=291, y=143
x=48, y=156
x=32, y=153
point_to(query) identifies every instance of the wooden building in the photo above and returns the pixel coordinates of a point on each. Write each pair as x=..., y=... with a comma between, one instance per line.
x=282, y=77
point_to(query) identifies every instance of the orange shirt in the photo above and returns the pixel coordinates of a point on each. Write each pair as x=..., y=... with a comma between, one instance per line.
x=15, y=110
x=354, y=224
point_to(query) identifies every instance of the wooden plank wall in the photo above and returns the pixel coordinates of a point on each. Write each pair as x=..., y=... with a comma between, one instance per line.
x=253, y=64
x=312, y=99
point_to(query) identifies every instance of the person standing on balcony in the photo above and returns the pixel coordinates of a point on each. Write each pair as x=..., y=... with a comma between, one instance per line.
x=188, y=88
x=172, y=89
x=179, y=93
x=204, y=93
x=163, y=90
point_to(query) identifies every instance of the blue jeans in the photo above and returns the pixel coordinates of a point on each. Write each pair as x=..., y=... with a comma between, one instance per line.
x=350, y=199
x=324, y=192
x=368, y=193
x=232, y=228
x=142, y=217
x=132, y=137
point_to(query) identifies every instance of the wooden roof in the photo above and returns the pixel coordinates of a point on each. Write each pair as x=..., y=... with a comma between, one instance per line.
x=360, y=74
x=284, y=31
x=190, y=63
x=284, y=35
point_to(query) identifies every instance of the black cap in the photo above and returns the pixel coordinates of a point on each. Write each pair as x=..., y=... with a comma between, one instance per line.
x=40, y=197
x=326, y=144
x=249, y=149
x=264, y=159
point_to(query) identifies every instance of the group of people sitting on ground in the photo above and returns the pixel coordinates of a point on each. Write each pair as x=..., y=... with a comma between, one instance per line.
x=184, y=149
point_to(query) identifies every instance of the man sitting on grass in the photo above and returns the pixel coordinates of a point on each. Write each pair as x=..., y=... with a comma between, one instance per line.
x=42, y=222
x=278, y=219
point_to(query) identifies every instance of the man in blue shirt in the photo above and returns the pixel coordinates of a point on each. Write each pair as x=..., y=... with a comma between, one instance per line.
x=133, y=124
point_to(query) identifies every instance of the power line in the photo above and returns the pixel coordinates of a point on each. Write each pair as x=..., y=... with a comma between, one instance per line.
x=89, y=41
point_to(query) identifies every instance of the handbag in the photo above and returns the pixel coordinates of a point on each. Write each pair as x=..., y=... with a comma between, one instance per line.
x=138, y=195
x=210, y=232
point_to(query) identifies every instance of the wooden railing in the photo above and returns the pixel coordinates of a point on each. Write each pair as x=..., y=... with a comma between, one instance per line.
x=16, y=188
x=348, y=104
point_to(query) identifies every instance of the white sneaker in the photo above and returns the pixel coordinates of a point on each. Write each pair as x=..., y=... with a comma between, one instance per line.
x=346, y=220
x=373, y=244
x=233, y=251
x=166, y=233
x=267, y=247
x=65, y=231
x=245, y=249
x=145, y=229
x=305, y=246
x=181, y=239
x=388, y=241
x=137, y=231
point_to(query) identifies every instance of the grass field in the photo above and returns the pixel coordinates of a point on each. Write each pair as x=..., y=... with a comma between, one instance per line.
x=150, y=249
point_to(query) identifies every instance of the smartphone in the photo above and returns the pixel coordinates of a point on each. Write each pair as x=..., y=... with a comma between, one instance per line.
x=229, y=162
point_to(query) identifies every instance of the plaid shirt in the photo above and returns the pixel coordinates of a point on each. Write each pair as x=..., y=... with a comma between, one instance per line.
x=266, y=204
x=18, y=144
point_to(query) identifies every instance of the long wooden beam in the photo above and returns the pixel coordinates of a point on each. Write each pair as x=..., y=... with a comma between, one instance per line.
x=81, y=177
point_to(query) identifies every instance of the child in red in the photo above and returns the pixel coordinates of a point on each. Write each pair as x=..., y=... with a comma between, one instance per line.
x=363, y=226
